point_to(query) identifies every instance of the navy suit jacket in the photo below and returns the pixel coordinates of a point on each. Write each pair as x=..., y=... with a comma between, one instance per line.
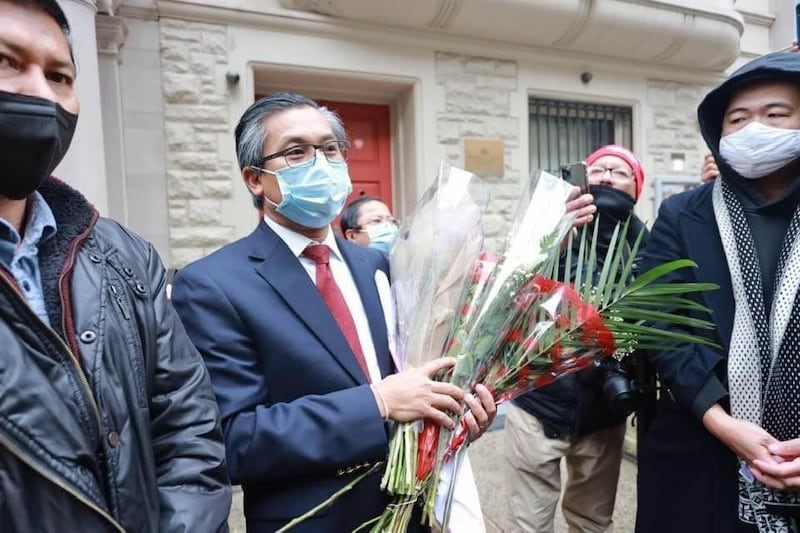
x=299, y=418
x=687, y=477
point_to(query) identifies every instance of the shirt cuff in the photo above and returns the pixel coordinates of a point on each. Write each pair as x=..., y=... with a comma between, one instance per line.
x=712, y=392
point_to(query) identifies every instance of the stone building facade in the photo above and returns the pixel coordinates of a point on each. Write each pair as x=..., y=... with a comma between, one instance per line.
x=196, y=124
x=158, y=99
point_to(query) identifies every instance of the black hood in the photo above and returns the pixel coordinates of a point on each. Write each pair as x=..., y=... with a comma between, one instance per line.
x=777, y=66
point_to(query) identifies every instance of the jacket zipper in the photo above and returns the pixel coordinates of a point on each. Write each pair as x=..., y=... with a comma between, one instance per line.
x=25, y=457
x=33, y=464
x=67, y=327
x=120, y=302
x=63, y=293
x=66, y=319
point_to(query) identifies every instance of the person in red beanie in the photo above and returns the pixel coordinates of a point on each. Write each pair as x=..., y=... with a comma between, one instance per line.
x=578, y=418
x=618, y=167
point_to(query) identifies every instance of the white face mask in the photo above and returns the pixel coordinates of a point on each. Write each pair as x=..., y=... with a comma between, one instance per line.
x=758, y=150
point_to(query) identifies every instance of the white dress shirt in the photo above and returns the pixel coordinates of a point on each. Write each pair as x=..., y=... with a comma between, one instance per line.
x=343, y=278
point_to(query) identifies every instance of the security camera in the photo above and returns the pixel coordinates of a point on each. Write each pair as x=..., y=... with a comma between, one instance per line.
x=232, y=77
x=586, y=77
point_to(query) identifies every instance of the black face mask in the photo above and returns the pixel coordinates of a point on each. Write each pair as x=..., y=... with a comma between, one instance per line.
x=34, y=136
x=612, y=203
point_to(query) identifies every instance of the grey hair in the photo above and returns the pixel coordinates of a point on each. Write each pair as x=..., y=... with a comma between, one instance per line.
x=250, y=134
x=335, y=122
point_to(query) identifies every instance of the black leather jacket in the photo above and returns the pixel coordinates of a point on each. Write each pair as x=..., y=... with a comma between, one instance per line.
x=107, y=418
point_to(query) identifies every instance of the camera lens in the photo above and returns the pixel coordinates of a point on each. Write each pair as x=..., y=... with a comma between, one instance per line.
x=618, y=393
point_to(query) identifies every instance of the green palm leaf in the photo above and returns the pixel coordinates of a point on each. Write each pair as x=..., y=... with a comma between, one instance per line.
x=612, y=260
x=627, y=271
x=635, y=311
x=628, y=312
x=591, y=263
x=671, y=288
x=667, y=302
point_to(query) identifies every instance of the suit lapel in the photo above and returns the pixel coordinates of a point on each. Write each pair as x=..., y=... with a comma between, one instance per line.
x=364, y=277
x=278, y=266
x=704, y=247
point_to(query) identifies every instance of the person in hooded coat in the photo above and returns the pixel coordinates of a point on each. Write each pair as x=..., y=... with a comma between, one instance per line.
x=572, y=418
x=720, y=455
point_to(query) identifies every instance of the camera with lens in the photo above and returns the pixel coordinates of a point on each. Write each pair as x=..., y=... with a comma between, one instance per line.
x=616, y=378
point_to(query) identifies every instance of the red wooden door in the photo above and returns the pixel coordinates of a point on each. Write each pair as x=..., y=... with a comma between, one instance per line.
x=370, y=162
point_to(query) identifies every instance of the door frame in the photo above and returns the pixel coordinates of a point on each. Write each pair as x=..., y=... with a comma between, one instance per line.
x=400, y=93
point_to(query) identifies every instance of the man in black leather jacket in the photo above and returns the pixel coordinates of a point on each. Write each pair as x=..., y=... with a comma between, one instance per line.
x=572, y=418
x=107, y=417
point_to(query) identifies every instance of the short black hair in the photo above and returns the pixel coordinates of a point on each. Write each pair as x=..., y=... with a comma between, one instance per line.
x=54, y=11
x=52, y=8
x=349, y=218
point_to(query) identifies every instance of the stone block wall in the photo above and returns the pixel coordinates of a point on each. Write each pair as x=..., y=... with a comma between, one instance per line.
x=193, y=56
x=671, y=127
x=477, y=105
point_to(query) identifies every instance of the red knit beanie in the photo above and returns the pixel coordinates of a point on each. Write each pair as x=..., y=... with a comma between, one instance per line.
x=627, y=156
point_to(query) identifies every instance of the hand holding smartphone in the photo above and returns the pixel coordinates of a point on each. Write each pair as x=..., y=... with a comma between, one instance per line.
x=575, y=174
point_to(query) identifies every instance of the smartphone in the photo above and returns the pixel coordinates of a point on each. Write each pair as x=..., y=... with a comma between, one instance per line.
x=797, y=21
x=575, y=174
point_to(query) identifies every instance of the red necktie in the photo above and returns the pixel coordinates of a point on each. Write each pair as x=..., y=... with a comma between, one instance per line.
x=334, y=299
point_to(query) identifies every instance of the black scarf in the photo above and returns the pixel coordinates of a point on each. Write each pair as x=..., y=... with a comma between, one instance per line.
x=613, y=207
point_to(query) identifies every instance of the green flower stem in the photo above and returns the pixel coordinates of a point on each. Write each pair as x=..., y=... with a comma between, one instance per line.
x=368, y=523
x=347, y=488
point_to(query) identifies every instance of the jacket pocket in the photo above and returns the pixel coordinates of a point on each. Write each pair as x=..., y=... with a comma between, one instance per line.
x=127, y=320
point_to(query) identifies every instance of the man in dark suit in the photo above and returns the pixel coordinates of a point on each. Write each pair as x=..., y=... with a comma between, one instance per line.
x=721, y=454
x=303, y=373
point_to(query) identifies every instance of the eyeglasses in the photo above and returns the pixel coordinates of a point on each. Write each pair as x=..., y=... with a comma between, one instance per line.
x=303, y=153
x=618, y=173
x=378, y=221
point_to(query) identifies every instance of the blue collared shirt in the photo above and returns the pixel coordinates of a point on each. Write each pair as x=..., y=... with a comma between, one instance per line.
x=21, y=255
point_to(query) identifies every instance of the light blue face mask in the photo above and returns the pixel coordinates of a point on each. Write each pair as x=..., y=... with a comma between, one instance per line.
x=381, y=236
x=313, y=193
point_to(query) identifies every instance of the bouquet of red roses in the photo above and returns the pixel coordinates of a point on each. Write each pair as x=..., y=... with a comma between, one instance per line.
x=543, y=319
x=524, y=321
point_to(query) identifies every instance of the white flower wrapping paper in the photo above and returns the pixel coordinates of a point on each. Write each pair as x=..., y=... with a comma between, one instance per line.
x=466, y=515
x=434, y=251
x=542, y=215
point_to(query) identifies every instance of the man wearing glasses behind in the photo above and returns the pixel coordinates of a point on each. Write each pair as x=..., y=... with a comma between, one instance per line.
x=367, y=221
x=290, y=324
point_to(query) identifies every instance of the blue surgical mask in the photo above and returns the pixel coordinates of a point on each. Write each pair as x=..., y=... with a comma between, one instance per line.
x=313, y=193
x=381, y=236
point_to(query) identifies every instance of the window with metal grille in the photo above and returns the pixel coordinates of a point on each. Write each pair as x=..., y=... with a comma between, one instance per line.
x=565, y=132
